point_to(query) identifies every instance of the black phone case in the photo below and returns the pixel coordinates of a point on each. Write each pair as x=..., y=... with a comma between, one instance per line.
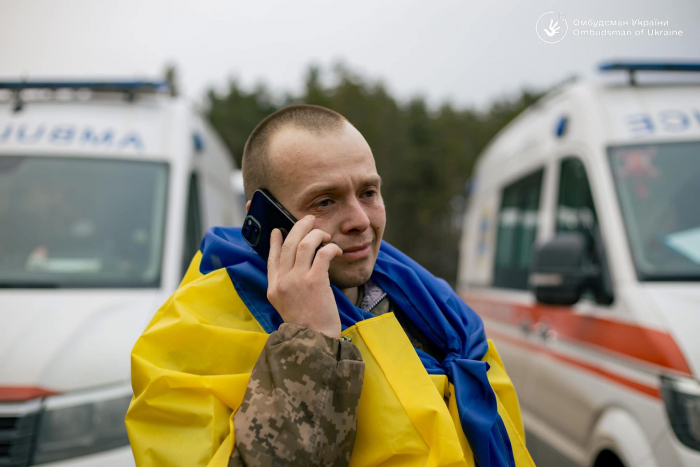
x=265, y=214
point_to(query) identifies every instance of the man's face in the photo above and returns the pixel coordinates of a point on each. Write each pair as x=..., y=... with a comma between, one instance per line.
x=333, y=177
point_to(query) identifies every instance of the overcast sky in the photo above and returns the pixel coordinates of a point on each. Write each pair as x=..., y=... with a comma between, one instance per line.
x=466, y=52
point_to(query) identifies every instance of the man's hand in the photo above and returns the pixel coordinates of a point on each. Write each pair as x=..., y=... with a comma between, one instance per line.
x=298, y=284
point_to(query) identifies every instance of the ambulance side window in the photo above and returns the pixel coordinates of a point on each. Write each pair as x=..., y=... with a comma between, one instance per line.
x=575, y=208
x=193, y=223
x=517, y=229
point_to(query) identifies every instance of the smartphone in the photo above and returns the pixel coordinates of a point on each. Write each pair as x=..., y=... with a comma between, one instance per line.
x=264, y=215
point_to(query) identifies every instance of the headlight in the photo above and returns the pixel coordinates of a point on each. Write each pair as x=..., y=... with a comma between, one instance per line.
x=78, y=424
x=682, y=399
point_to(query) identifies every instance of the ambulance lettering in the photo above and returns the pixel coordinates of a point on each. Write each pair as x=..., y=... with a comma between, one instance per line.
x=24, y=136
x=5, y=135
x=62, y=134
x=669, y=121
x=95, y=139
x=68, y=134
x=132, y=139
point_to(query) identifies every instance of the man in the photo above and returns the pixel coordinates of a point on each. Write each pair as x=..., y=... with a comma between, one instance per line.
x=245, y=364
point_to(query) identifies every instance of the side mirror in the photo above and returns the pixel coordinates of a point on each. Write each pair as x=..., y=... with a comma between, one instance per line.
x=561, y=269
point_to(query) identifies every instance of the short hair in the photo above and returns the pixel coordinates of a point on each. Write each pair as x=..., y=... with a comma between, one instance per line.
x=255, y=162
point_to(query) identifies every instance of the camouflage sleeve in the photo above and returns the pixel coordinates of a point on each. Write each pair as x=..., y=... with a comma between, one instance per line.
x=300, y=407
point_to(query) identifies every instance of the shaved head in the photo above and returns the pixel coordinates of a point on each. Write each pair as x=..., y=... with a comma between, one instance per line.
x=258, y=172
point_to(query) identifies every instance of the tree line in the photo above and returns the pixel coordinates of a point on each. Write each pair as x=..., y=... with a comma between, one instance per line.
x=425, y=156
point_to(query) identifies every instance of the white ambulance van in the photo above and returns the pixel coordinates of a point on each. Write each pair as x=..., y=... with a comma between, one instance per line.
x=106, y=189
x=581, y=251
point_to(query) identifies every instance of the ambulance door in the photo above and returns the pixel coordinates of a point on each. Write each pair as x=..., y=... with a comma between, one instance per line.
x=505, y=303
x=567, y=393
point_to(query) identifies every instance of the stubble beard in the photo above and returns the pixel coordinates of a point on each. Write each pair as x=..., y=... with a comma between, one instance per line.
x=346, y=276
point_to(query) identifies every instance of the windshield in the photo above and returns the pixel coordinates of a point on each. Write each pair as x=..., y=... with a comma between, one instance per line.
x=78, y=222
x=658, y=186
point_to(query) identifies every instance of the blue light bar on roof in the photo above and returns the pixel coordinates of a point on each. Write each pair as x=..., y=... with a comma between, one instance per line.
x=106, y=86
x=650, y=66
x=634, y=67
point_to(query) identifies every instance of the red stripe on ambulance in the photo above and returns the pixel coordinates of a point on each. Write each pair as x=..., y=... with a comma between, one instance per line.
x=640, y=343
x=635, y=385
x=23, y=393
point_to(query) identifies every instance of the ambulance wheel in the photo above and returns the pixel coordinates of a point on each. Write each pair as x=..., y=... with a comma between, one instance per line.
x=608, y=459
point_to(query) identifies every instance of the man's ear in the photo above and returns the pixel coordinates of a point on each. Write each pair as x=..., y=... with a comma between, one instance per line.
x=247, y=205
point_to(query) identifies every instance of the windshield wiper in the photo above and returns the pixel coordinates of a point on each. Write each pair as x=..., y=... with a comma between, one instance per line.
x=670, y=277
x=29, y=285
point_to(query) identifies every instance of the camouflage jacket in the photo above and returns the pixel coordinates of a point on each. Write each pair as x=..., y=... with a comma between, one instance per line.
x=300, y=406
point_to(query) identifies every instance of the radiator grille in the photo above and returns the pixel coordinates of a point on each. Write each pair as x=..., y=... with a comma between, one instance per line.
x=18, y=425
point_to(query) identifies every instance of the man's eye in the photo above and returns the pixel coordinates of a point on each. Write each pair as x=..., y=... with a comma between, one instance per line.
x=370, y=193
x=324, y=203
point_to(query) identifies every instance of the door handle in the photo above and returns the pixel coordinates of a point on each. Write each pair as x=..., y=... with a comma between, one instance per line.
x=525, y=326
x=541, y=329
x=550, y=338
x=548, y=335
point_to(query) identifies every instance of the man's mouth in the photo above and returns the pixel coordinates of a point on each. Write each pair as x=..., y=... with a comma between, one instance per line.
x=358, y=252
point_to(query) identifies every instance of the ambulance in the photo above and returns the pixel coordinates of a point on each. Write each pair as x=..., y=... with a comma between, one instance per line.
x=581, y=251
x=106, y=190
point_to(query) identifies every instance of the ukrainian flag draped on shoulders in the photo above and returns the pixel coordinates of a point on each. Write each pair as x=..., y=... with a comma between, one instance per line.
x=191, y=366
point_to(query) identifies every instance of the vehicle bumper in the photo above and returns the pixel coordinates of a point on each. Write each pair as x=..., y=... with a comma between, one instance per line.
x=687, y=457
x=120, y=457
x=670, y=451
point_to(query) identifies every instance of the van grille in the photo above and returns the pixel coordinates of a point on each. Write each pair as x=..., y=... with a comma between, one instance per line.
x=18, y=424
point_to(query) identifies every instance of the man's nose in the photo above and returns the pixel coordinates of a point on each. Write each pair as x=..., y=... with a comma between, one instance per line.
x=355, y=217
